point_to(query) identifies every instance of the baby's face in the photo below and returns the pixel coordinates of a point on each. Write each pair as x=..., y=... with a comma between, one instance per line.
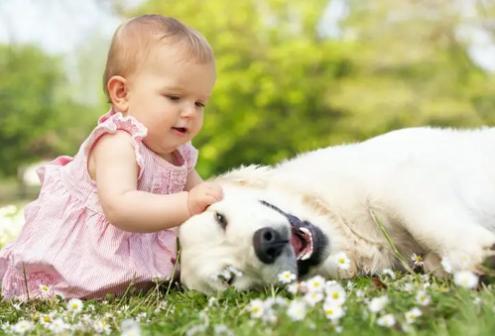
x=168, y=94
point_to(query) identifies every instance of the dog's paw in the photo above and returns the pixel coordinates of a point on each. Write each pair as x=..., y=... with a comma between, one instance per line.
x=473, y=255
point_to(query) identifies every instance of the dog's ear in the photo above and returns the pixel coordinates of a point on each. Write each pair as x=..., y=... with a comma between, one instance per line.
x=252, y=176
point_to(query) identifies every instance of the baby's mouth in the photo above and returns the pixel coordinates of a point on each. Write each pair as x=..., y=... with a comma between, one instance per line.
x=181, y=130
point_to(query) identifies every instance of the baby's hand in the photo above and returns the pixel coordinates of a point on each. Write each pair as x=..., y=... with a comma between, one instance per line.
x=202, y=195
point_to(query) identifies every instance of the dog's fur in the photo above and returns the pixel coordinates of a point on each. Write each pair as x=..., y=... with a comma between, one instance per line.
x=431, y=190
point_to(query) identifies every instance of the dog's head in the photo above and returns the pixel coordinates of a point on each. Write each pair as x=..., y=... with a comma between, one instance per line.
x=245, y=241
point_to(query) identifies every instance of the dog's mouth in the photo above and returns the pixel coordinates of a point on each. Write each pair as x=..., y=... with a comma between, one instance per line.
x=302, y=242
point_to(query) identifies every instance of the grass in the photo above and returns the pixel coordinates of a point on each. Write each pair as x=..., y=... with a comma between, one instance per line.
x=448, y=310
x=296, y=309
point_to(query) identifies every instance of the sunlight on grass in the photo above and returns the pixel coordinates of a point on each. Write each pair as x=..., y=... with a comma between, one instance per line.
x=11, y=221
x=385, y=304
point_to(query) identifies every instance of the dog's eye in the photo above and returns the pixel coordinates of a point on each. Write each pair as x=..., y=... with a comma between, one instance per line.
x=220, y=218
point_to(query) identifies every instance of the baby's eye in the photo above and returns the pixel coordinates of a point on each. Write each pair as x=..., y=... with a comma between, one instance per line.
x=200, y=104
x=173, y=98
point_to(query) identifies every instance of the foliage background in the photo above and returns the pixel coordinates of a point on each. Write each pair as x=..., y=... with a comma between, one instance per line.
x=283, y=86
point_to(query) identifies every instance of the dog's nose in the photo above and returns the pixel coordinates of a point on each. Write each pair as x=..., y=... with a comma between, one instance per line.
x=268, y=244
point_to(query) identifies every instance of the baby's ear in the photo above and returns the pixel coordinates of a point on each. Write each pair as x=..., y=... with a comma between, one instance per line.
x=117, y=90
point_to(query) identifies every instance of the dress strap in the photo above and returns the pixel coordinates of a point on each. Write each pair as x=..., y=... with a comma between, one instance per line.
x=112, y=122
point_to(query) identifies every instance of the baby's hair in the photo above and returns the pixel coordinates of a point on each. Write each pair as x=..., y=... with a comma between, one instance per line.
x=134, y=39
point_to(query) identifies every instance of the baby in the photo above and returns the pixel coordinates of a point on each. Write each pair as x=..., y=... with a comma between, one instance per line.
x=107, y=217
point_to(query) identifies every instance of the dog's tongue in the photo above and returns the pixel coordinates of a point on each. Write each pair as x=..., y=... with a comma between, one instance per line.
x=296, y=243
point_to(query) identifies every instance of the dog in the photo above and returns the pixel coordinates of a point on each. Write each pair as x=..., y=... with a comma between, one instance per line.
x=426, y=192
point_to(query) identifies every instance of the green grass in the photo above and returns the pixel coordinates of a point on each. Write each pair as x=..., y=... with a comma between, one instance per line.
x=173, y=311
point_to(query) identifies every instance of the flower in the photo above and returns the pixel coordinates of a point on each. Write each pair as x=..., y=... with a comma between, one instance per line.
x=57, y=326
x=343, y=262
x=335, y=294
x=45, y=290
x=466, y=279
x=447, y=266
x=417, y=260
x=22, y=327
x=388, y=272
x=286, y=277
x=423, y=298
x=257, y=308
x=387, y=320
x=312, y=298
x=412, y=315
x=333, y=311
x=377, y=304
x=222, y=329
x=296, y=310
x=315, y=284
x=75, y=306
x=130, y=327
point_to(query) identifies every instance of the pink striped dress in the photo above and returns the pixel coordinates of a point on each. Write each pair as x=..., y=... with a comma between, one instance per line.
x=67, y=243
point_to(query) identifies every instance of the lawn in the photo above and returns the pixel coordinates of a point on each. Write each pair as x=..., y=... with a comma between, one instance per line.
x=386, y=304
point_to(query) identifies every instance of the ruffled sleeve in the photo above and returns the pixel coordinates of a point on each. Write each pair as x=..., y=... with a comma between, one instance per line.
x=190, y=155
x=113, y=122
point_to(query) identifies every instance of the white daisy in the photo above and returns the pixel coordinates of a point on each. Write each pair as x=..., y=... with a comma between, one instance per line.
x=387, y=320
x=446, y=264
x=297, y=310
x=412, y=315
x=466, y=279
x=388, y=272
x=417, y=260
x=335, y=294
x=342, y=260
x=256, y=307
x=333, y=311
x=378, y=303
x=315, y=284
x=75, y=306
x=22, y=327
x=423, y=298
x=312, y=298
x=286, y=277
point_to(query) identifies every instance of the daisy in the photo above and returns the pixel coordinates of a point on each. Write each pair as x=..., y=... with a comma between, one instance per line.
x=417, y=260
x=315, y=284
x=332, y=311
x=297, y=310
x=45, y=290
x=312, y=298
x=388, y=272
x=343, y=262
x=286, y=277
x=335, y=294
x=130, y=327
x=387, y=320
x=423, y=298
x=466, y=279
x=377, y=304
x=446, y=264
x=22, y=327
x=257, y=308
x=412, y=315
x=75, y=306
x=58, y=326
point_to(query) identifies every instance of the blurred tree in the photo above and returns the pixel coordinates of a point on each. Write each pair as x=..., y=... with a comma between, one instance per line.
x=273, y=75
x=410, y=67
x=282, y=88
x=34, y=117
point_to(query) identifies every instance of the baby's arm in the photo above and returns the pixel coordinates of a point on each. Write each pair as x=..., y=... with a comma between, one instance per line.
x=116, y=172
x=201, y=194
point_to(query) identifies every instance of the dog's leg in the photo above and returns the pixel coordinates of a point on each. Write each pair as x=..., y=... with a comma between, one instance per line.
x=450, y=232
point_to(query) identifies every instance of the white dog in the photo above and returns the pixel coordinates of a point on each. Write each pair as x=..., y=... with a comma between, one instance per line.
x=423, y=191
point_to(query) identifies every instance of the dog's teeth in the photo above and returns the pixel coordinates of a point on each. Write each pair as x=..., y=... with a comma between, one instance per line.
x=306, y=255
